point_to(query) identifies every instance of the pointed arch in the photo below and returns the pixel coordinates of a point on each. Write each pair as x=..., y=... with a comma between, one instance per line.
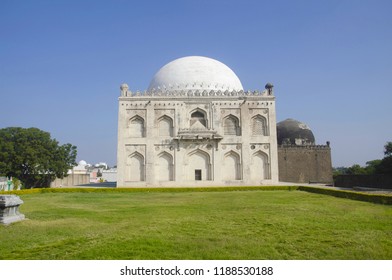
x=135, y=167
x=136, y=126
x=165, y=126
x=232, y=166
x=165, y=170
x=199, y=165
x=231, y=125
x=259, y=125
x=259, y=166
x=198, y=115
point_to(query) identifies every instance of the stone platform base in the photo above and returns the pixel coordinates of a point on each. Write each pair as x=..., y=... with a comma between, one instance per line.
x=9, y=209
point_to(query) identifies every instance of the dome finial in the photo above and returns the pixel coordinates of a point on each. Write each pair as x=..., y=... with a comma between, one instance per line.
x=269, y=87
x=124, y=89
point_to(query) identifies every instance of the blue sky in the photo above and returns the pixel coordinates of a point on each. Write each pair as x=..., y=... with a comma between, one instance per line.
x=62, y=62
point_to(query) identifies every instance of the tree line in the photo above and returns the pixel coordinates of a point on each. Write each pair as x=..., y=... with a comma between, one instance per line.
x=378, y=166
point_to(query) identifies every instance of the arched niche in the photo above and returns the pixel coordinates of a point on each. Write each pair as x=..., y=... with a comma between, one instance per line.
x=135, y=170
x=136, y=126
x=232, y=166
x=231, y=126
x=198, y=115
x=259, y=126
x=259, y=166
x=165, y=167
x=165, y=126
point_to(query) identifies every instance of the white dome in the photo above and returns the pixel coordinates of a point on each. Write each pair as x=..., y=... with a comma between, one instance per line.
x=195, y=73
x=82, y=162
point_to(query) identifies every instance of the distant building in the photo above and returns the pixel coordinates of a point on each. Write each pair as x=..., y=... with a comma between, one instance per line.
x=300, y=159
x=109, y=175
x=196, y=126
x=78, y=175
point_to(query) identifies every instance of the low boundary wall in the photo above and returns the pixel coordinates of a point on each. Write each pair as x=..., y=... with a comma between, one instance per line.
x=381, y=181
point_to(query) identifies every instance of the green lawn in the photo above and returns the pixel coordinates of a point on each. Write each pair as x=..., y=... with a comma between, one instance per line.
x=198, y=225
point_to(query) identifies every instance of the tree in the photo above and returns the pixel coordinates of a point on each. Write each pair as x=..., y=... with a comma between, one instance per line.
x=371, y=166
x=30, y=155
x=356, y=169
x=385, y=166
x=388, y=149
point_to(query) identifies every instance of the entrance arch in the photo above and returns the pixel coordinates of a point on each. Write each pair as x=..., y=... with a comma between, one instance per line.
x=199, y=166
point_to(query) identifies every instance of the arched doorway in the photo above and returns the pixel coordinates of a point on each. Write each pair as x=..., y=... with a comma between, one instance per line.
x=199, y=166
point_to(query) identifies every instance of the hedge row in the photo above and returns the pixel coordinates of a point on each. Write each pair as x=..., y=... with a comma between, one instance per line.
x=367, y=197
x=158, y=190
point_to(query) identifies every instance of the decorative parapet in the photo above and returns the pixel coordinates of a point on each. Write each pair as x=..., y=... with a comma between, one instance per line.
x=304, y=147
x=192, y=93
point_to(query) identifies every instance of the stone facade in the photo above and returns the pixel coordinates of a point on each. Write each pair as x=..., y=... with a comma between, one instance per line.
x=305, y=164
x=196, y=138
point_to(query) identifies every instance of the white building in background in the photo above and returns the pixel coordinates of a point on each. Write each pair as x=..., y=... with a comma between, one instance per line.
x=196, y=126
x=81, y=168
x=109, y=175
x=78, y=175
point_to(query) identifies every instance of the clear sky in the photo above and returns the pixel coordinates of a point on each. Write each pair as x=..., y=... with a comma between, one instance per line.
x=62, y=63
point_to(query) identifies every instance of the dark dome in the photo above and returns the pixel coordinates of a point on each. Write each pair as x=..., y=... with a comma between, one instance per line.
x=292, y=132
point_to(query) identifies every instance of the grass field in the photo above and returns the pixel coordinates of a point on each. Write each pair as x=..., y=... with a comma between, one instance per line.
x=198, y=225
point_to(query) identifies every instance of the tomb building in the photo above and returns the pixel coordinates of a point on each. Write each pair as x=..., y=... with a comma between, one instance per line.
x=300, y=159
x=195, y=125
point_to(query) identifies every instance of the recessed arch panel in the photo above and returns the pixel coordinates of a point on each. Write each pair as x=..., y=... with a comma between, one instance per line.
x=165, y=125
x=199, y=166
x=198, y=115
x=136, y=126
x=135, y=168
x=165, y=167
x=259, y=166
x=231, y=125
x=259, y=126
x=232, y=166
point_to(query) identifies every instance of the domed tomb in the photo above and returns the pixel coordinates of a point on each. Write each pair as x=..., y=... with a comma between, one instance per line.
x=188, y=129
x=293, y=132
x=195, y=73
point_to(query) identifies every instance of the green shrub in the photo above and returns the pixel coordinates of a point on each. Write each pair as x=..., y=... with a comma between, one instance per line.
x=368, y=197
x=155, y=190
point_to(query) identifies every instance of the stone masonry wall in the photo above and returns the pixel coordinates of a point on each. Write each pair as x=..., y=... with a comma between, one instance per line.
x=305, y=164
